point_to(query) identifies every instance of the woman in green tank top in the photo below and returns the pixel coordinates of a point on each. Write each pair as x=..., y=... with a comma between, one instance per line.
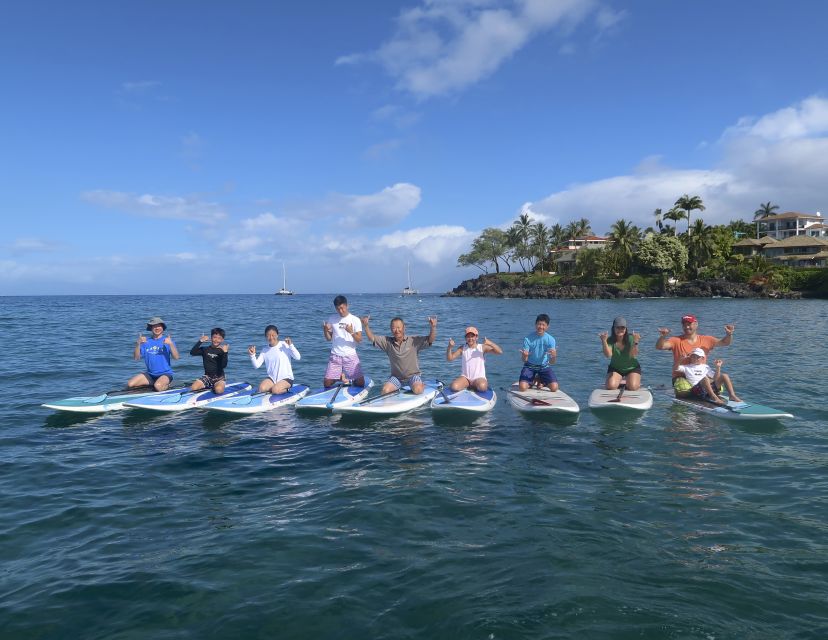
x=622, y=350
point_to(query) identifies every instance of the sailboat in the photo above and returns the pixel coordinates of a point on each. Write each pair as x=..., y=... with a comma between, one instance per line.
x=284, y=291
x=409, y=291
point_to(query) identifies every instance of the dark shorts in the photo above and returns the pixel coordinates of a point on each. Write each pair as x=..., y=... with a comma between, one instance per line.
x=544, y=374
x=152, y=379
x=700, y=392
x=288, y=380
x=210, y=381
x=623, y=373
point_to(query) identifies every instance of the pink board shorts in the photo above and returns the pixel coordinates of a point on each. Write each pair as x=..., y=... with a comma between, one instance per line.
x=349, y=365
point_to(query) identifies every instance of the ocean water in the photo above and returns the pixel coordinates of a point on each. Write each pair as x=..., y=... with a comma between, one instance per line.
x=667, y=525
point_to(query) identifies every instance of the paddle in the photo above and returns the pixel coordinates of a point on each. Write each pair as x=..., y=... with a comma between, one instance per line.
x=443, y=393
x=338, y=385
x=622, y=388
x=532, y=401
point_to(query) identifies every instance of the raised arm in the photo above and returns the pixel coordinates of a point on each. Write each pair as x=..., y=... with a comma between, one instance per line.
x=196, y=350
x=173, y=349
x=432, y=335
x=136, y=353
x=452, y=355
x=636, y=338
x=605, y=345
x=367, y=327
x=663, y=341
x=491, y=347
x=327, y=331
x=255, y=360
x=728, y=338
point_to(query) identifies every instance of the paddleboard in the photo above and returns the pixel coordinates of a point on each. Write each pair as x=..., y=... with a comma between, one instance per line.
x=735, y=411
x=103, y=402
x=394, y=403
x=541, y=401
x=182, y=399
x=464, y=401
x=339, y=396
x=639, y=400
x=250, y=401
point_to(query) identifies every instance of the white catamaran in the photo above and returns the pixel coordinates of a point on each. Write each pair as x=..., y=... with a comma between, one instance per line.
x=409, y=291
x=284, y=291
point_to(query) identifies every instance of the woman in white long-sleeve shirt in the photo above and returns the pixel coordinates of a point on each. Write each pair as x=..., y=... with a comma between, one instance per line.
x=277, y=357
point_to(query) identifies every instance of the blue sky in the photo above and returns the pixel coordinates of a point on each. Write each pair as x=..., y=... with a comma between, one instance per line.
x=145, y=145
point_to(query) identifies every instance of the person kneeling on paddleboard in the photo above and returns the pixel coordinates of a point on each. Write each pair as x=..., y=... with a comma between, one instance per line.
x=473, y=367
x=402, y=353
x=344, y=331
x=214, y=357
x=622, y=350
x=276, y=356
x=539, y=353
x=155, y=352
x=705, y=381
x=681, y=346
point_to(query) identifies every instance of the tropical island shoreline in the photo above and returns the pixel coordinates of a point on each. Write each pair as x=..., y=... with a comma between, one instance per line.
x=526, y=285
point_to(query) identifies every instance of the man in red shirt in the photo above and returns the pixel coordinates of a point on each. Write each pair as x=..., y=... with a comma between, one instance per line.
x=681, y=346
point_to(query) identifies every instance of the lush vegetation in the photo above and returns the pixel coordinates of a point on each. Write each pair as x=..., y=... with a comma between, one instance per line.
x=637, y=257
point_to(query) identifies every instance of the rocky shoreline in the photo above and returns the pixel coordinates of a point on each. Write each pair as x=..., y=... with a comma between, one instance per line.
x=493, y=286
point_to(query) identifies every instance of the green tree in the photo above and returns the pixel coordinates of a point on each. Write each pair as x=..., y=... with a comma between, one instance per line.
x=540, y=242
x=623, y=238
x=700, y=246
x=491, y=246
x=675, y=214
x=589, y=264
x=689, y=203
x=659, y=223
x=662, y=254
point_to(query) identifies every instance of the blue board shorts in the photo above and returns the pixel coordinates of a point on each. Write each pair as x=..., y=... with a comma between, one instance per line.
x=544, y=374
x=153, y=378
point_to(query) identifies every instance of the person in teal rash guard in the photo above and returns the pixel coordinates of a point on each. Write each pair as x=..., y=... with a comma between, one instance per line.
x=156, y=353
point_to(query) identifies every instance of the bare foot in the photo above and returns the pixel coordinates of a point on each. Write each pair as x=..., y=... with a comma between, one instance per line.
x=735, y=398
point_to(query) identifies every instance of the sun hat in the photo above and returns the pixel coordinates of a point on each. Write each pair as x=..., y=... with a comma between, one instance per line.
x=689, y=318
x=698, y=351
x=471, y=330
x=155, y=320
x=619, y=322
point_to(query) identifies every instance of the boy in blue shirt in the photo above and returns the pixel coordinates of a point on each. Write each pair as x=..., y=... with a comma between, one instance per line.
x=155, y=352
x=539, y=354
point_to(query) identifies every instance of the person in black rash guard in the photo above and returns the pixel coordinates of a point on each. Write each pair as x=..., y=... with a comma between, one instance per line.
x=215, y=360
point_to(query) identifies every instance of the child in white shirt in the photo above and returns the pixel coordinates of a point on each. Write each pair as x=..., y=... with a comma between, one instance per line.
x=705, y=380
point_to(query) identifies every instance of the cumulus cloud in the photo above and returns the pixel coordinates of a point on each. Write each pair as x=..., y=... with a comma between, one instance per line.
x=432, y=245
x=781, y=156
x=383, y=208
x=154, y=206
x=447, y=45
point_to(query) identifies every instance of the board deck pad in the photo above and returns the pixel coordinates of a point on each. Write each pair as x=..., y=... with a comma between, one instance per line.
x=541, y=400
x=251, y=401
x=183, y=399
x=736, y=411
x=320, y=399
x=464, y=401
x=639, y=400
x=395, y=403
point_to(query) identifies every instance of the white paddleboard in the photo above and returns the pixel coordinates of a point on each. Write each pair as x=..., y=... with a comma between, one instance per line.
x=639, y=400
x=464, y=401
x=103, y=402
x=250, y=401
x=735, y=411
x=400, y=401
x=327, y=399
x=182, y=399
x=541, y=401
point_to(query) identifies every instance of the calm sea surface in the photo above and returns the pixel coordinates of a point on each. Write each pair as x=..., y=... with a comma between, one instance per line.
x=669, y=525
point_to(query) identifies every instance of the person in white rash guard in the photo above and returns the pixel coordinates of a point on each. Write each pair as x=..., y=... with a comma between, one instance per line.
x=277, y=356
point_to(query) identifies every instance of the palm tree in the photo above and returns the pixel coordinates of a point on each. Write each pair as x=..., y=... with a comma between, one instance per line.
x=540, y=242
x=556, y=235
x=675, y=214
x=657, y=214
x=765, y=209
x=701, y=245
x=687, y=204
x=623, y=238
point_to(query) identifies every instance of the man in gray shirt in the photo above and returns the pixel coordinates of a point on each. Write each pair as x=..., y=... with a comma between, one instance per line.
x=402, y=353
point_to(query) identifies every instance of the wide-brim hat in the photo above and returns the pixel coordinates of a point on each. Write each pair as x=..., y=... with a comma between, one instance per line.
x=154, y=321
x=619, y=322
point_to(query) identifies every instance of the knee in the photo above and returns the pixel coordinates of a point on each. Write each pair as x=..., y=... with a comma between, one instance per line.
x=482, y=384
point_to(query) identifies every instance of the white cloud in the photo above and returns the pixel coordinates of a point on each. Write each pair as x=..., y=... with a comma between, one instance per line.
x=433, y=245
x=782, y=157
x=446, y=45
x=382, y=150
x=154, y=206
x=31, y=245
x=387, y=207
